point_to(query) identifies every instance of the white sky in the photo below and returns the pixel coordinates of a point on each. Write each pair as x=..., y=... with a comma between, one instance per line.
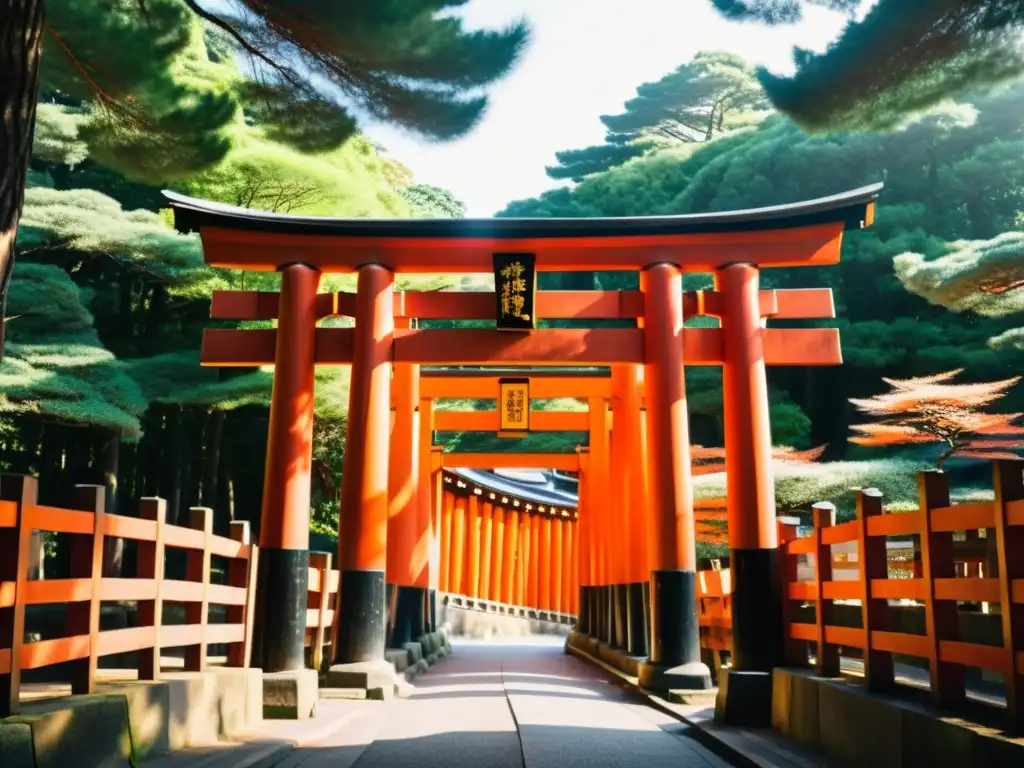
x=586, y=59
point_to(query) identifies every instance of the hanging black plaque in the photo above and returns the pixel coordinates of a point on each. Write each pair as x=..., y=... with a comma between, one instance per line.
x=515, y=287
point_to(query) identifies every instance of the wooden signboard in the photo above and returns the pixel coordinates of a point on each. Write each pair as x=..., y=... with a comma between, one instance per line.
x=515, y=287
x=513, y=407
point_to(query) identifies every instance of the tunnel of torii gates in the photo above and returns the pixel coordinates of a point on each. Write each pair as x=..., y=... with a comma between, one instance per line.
x=636, y=510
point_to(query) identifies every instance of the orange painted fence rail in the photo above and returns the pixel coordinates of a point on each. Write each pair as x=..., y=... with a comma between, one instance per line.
x=938, y=587
x=86, y=588
x=507, y=552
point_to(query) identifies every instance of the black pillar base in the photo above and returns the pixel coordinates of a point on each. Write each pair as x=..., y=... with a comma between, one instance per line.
x=756, y=610
x=637, y=635
x=582, y=617
x=361, y=621
x=431, y=610
x=407, y=619
x=608, y=625
x=675, y=633
x=279, y=636
x=594, y=596
x=647, y=615
x=744, y=699
x=621, y=616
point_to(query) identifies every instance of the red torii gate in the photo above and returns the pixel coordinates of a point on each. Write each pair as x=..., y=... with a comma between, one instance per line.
x=731, y=245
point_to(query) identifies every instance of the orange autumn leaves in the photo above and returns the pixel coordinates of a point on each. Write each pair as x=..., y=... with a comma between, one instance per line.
x=929, y=409
x=710, y=514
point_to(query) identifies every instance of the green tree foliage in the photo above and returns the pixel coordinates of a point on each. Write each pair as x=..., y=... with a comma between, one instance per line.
x=618, y=148
x=57, y=368
x=711, y=94
x=714, y=93
x=429, y=202
x=902, y=57
x=985, y=277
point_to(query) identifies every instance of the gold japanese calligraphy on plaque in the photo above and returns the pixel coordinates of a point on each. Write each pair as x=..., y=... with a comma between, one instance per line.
x=515, y=283
x=513, y=407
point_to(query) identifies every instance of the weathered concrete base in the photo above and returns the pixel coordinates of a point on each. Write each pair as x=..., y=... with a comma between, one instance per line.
x=77, y=730
x=478, y=623
x=376, y=678
x=133, y=720
x=841, y=719
x=290, y=695
x=620, y=659
x=744, y=698
x=690, y=683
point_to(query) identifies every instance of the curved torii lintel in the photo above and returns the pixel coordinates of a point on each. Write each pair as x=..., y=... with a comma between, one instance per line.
x=783, y=235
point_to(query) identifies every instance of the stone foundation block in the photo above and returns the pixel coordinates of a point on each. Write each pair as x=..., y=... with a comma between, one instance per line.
x=377, y=677
x=290, y=695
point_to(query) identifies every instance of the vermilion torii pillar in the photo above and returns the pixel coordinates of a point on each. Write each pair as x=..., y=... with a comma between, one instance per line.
x=750, y=496
x=406, y=557
x=674, y=660
x=279, y=638
x=363, y=529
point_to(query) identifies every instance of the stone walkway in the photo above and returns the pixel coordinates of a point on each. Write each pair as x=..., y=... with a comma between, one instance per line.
x=523, y=704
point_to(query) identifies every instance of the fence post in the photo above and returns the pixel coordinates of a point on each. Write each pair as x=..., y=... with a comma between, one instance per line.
x=242, y=574
x=1008, y=483
x=322, y=562
x=828, y=654
x=197, y=568
x=874, y=612
x=15, y=546
x=947, y=680
x=150, y=566
x=83, y=618
x=794, y=652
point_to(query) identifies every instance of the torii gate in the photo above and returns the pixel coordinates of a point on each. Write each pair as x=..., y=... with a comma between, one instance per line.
x=732, y=245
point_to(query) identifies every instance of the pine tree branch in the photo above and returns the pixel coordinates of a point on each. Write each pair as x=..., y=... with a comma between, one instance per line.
x=240, y=39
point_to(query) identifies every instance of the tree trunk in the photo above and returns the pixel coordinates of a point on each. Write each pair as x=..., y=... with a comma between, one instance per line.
x=157, y=311
x=106, y=463
x=173, y=445
x=21, y=45
x=31, y=434
x=50, y=454
x=211, y=470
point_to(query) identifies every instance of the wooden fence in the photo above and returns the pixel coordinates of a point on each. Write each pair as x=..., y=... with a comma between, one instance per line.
x=939, y=586
x=86, y=589
x=320, y=607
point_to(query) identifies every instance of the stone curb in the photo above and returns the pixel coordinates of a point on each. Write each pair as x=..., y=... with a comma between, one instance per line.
x=712, y=741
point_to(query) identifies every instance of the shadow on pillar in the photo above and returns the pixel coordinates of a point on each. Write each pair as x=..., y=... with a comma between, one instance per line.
x=361, y=621
x=279, y=636
x=745, y=686
x=636, y=626
x=675, y=661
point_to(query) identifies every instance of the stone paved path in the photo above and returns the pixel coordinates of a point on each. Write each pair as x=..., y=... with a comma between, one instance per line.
x=518, y=705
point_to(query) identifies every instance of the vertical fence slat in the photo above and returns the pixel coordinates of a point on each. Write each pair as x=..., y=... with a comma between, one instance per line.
x=828, y=654
x=242, y=573
x=150, y=565
x=794, y=651
x=83, y=618
x=875, y=613
x=322, y=562
x=1008, y=482
x=947, y=680
x=197, y=569
x=15, y=545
